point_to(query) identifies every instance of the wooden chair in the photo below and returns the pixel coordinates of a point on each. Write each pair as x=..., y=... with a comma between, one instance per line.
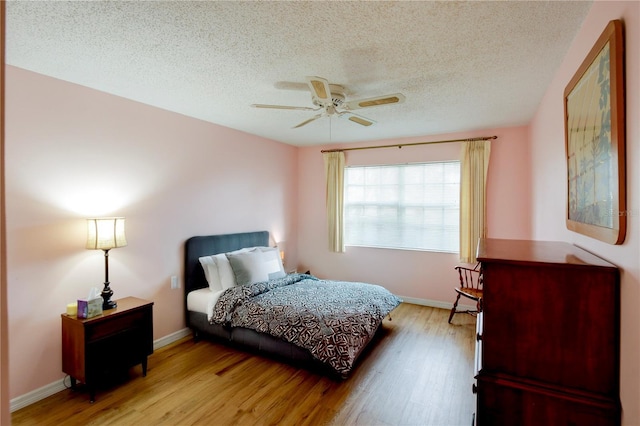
x=470, y=287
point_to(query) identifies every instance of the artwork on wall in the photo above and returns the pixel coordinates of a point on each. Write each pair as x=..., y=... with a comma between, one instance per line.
x=595, y=141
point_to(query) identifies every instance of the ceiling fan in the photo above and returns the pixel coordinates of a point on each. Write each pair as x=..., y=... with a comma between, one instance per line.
x=330, y=98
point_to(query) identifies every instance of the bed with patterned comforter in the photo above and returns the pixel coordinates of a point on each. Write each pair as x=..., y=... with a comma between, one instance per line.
x=320, y=324
x=333, y=320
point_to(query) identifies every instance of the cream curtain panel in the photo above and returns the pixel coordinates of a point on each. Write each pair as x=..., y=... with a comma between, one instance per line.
x=473, y=208
x=334, y=172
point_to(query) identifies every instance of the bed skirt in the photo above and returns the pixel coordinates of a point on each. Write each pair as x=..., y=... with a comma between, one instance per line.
x=259, y=343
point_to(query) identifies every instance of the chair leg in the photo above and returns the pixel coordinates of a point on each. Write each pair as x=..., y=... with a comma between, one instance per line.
x=453, y=310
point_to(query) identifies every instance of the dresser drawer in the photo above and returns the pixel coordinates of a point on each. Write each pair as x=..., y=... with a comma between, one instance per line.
x=502, y=401
x=102, y=329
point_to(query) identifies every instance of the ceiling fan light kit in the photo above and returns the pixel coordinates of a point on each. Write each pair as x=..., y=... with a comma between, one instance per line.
x=331, y=98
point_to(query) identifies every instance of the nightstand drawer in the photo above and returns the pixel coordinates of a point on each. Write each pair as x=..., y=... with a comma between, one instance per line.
x=102, y=329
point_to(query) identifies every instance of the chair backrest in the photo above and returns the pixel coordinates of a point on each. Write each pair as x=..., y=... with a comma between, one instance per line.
x=470, y=278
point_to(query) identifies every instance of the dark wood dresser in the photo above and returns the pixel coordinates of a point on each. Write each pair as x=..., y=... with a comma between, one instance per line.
x=549, y=336
x=120, y=338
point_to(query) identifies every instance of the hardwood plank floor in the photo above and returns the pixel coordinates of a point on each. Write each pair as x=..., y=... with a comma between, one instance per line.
x=418, y=371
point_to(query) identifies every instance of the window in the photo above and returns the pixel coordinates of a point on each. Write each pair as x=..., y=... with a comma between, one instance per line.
x=408, y=206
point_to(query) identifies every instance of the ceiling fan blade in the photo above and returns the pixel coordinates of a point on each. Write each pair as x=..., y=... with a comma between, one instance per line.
x=308, y=121
x=284, y=107
x=395, y=98
x=320, y=90
x=358, y=119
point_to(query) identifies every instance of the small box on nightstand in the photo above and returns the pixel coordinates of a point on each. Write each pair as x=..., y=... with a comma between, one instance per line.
x=89, y=308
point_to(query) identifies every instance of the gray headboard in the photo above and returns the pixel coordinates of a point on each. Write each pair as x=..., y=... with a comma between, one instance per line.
x=196, y=247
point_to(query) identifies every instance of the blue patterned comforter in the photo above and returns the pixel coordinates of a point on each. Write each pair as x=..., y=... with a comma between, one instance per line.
x=333, y=320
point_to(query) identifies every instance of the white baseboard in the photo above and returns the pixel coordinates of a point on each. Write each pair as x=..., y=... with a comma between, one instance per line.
x=57, y=386
x=36, y=395
x=170, y=338
x=436, y=303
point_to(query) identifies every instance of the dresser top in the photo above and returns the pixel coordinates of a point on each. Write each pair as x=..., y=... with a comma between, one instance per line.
x=527, y=251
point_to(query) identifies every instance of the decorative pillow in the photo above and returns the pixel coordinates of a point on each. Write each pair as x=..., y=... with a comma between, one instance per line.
x=255, y=265
x=217, y=270
x=249, y=267
x=274, y=262
x=211, y=272
x=227, y=276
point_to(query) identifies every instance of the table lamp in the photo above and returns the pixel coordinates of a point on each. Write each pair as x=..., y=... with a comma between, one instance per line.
x=105, y=234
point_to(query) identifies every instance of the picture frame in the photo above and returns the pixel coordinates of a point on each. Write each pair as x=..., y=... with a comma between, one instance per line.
x=594, y=118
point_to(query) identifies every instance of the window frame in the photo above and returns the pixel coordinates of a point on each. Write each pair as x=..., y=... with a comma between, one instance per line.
x=402, y=207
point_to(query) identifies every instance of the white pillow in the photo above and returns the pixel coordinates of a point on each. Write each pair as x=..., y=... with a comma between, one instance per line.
x=274, y=262
x=211, y=272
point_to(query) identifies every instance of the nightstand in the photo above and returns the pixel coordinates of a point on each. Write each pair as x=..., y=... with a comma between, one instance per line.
x=115, y=341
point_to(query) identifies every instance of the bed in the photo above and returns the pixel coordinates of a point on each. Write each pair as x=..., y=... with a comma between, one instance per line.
x=328, y=331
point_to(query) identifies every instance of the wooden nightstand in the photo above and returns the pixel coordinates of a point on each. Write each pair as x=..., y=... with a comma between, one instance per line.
x=117, y=340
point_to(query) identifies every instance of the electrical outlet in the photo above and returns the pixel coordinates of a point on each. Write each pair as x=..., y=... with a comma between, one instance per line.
x=174, y=282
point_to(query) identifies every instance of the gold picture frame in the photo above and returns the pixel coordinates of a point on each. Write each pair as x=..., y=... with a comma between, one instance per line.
x=595, y=141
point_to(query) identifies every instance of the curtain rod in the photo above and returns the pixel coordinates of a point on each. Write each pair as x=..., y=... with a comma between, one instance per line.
x=484, y=138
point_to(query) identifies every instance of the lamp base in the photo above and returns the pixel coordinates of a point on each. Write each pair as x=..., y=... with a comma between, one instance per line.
x=106, y=297
x=109, y=304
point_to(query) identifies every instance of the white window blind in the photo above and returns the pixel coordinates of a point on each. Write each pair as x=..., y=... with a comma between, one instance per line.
x=408, y=206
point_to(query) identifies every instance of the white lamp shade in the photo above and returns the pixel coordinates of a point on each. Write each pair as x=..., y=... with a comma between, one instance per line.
x=105, y=233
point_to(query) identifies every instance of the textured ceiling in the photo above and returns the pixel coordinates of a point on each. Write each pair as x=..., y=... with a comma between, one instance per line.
x=461, y=65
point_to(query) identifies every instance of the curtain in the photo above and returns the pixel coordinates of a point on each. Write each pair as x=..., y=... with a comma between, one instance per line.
x=334, y=172
x=473, y=182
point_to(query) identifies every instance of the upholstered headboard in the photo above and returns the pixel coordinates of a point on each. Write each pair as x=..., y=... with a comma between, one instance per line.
x=196, y=247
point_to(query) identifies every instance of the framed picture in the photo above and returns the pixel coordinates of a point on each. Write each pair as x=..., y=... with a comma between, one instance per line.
x=595, y=141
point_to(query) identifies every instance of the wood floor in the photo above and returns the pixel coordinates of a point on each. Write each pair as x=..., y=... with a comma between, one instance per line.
x=418, y=371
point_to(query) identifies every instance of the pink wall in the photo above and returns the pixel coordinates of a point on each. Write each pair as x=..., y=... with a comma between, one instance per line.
x=549, y=189
x=413, y=274
x=5, y=418
x=72, y=153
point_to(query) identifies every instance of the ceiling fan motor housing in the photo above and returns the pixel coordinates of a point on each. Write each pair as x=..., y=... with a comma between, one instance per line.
x=337, y=96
